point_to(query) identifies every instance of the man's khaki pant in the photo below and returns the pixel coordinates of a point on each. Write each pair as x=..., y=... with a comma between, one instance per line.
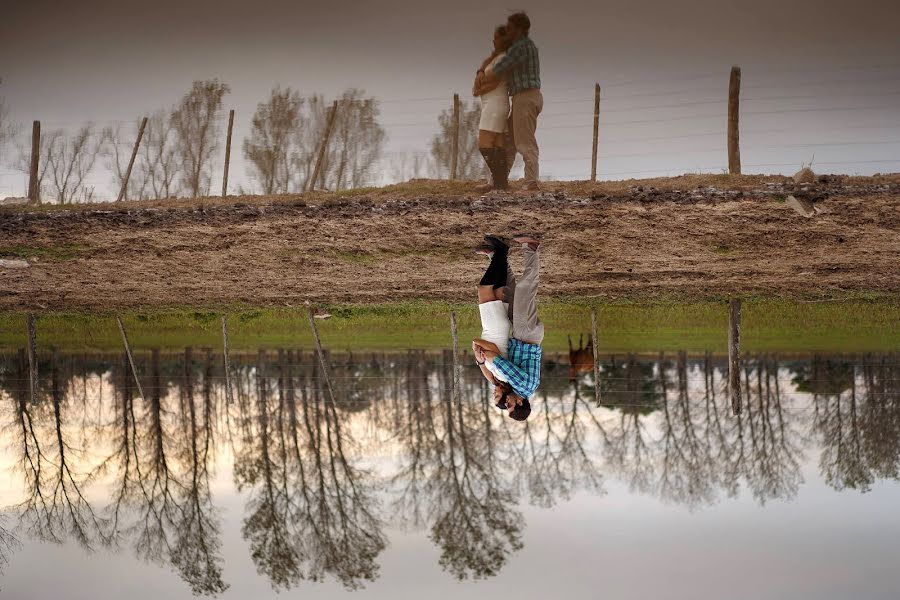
x=522, y=297
x=526, y=106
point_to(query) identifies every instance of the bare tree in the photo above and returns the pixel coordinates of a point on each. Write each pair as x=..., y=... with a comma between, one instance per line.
x=158, y=167
x=64, y=163
x=8, y=544
x=272, y=138
x=305, y=141
x=449, y=477
x=859, y=427
x=356, y=142
x=7, y=130
x=310, y=511
x=117, y=152
x=197, y=543
x=195, y=122
x=56, y=507
x=408, y=165
x=469, y=162
x=686, y=475
x=67, y=162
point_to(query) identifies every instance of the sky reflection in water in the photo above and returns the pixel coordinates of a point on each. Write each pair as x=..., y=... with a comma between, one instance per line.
x=399, y=486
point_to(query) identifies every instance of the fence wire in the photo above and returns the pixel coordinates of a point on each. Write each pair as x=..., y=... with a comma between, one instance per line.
x=845, y=119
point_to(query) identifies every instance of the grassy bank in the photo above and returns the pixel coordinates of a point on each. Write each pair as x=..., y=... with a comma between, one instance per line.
x=768, y=326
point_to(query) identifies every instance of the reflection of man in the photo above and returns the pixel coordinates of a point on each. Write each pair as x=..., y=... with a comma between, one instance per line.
x=522, y=70
x=521, y=368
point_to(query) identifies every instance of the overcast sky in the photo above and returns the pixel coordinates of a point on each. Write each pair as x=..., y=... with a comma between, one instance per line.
x=833, y=66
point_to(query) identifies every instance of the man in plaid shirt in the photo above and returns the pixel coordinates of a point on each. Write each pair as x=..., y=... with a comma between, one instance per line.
x=522, y=368
x=522, y=68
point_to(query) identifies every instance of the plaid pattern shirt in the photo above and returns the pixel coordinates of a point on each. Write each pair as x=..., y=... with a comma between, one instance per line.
x=524, y=68
x=522, y=368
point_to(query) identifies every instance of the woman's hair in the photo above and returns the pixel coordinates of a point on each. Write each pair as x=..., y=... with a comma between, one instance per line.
x=501, y=31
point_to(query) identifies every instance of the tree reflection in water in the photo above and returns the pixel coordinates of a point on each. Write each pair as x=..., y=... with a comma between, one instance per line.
x=310, y=512
x=161, y=461
x=857, y=418
x=55, y=507
x=449, y=473
x=322, y=477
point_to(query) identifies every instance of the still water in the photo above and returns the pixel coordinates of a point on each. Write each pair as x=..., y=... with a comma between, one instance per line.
x=404, y=484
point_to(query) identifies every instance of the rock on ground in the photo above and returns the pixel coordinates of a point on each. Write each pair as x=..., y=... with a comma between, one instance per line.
x=804, y=175
x=13, y=263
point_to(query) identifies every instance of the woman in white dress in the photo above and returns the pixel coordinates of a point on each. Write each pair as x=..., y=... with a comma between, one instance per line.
x=495, y=293
x=494, y=114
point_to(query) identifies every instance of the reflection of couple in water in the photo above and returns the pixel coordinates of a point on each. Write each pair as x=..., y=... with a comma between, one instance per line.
x=509, y=350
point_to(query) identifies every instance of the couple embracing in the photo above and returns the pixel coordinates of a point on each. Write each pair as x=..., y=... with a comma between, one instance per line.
x=512, y=71
x=509, y=350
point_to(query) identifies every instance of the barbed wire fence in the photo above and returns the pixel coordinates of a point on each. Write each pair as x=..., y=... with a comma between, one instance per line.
x=640, y=127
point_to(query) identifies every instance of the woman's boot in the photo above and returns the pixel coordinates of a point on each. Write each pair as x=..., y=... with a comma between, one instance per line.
x=501, y=170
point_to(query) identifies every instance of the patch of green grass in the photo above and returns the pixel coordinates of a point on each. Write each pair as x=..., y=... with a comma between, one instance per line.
x=205, y=317
x=356, y=257
x=722, y=249
x=55, y=253
x=769, y=325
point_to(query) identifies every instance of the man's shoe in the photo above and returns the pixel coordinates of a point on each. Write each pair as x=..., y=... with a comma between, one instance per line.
x=485, y=249
x=528, y=240
x=497, y=242
x=531, y=186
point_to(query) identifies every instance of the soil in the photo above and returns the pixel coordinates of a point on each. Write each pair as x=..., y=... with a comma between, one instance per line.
x=689, y=237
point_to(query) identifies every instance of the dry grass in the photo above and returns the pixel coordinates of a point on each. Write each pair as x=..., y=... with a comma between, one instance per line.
x=602, y=241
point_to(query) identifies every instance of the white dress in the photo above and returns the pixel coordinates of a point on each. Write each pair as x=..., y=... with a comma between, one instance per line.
x=495, y=327
x=495, y=104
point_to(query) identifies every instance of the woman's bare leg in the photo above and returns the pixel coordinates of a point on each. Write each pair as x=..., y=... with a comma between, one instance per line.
x=486, y=294
x=488, y=139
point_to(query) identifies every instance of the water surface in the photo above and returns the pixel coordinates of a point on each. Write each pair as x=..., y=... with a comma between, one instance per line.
x=405, y=483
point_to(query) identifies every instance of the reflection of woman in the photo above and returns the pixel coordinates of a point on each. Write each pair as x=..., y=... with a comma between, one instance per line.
x=496, y=291
x=495, y=323
x=494, y=113
x=515, y=367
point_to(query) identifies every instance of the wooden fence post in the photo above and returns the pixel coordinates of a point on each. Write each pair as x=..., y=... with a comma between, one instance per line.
x=454, y=141
x=228, y=397
x=34, y=191
x=227, y=153
x=32, y=357
x=323, y=362
x=596, y=129
x=596, y=351
x=734, y=355
x=734, y=104
x=454, y=332
x=312, y=182
x=134, y=152
x=130, y=358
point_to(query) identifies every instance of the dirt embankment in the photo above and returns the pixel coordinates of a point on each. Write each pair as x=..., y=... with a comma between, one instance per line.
x=682, y=237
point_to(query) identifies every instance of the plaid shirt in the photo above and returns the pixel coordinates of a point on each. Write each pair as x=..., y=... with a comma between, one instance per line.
x=522, y=368
x=524, y=68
